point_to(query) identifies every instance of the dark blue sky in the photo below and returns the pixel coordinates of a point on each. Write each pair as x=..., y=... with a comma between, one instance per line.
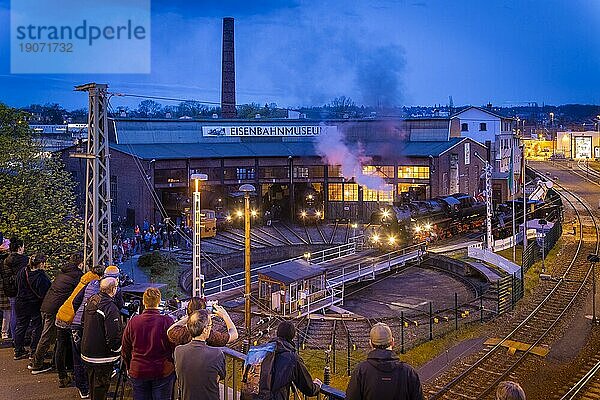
x=404, y=52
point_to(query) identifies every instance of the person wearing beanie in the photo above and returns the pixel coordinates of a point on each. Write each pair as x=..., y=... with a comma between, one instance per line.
x=383, y=376
x=288, y=367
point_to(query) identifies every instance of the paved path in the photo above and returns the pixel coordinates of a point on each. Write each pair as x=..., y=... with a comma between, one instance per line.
x=16, y=381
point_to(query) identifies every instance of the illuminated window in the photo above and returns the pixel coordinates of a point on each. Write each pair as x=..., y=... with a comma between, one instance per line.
x=410, y=172
x=406, y=187
x=349, y=192
x=335, y=192
x=377, y=195
x=300, y=172
x=385, y=171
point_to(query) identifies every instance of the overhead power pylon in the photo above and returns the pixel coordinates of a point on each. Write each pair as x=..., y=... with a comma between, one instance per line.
x=97, y=248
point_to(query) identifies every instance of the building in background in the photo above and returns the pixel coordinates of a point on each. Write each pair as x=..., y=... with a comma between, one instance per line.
x=351, y=166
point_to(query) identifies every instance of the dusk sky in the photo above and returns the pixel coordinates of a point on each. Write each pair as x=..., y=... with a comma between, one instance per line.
x=405, y=52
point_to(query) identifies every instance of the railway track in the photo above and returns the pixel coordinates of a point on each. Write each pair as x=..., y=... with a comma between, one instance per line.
x=479, y=378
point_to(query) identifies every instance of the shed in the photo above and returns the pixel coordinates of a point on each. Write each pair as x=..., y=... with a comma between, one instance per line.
x=285, y=289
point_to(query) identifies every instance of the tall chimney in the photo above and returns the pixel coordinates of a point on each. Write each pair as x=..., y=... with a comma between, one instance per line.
x=228, y=71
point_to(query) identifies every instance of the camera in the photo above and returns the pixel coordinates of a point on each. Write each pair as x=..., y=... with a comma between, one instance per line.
x=210, y=304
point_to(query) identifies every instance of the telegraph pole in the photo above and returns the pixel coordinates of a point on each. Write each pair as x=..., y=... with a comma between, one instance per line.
x=97, y=249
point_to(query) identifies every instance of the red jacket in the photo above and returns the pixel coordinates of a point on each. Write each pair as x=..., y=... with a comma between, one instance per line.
x=147, y=351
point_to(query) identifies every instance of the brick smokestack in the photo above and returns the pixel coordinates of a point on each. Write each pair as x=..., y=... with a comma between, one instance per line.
x=228, y=71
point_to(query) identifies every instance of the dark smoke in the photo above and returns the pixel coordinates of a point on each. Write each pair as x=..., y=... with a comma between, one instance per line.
x=379, y=77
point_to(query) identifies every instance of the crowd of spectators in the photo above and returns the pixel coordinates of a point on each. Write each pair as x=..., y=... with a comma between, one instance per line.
x=78, y=321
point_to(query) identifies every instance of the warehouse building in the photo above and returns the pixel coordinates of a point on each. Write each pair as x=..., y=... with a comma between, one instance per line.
x=351, y=166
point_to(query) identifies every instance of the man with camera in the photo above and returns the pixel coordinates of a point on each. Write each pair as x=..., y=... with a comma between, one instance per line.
x=148, y=353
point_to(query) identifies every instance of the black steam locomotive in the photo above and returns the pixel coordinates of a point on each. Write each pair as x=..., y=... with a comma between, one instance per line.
x=417, y=220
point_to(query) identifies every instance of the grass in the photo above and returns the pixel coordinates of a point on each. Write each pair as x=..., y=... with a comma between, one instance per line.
x=416, y=357
x=162, y=268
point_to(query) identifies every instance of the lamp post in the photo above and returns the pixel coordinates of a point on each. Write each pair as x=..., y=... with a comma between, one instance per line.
x=247, y=188
x=198, y=278
x=593, y=259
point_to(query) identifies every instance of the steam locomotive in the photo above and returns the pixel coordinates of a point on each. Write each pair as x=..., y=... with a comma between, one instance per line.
x=418, y=220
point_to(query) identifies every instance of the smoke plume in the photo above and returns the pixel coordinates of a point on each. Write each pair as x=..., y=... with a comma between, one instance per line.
x=334, y=151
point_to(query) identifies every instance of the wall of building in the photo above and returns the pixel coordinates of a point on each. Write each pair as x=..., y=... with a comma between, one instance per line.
x=578, y=145
x=458, y=170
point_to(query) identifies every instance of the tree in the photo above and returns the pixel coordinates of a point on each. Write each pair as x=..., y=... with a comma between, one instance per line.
x=149, y=108
x=37, y=200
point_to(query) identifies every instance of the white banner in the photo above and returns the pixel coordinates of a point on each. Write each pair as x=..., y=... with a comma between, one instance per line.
x=268, y=130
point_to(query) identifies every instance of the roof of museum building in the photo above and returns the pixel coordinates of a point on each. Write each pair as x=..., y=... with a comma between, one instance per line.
x=387, y=149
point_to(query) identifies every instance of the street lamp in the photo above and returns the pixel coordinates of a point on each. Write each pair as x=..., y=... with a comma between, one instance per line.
x=198, y=278
x=247, y=188
x=593, y=259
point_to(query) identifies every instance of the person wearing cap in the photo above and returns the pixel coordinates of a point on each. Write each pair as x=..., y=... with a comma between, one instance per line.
x=101, y=340
x=288, y=367
x=383, y=376
x=65, y=318
x=59, y=292
x=509, y=390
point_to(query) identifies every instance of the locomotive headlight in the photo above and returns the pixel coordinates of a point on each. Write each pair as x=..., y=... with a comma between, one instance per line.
x=253, y=213
x=319, y=214
x=310, y=196
x=375, y=238
x=427, y=227
x=228, y=218
x=391, y=240
x=417, y=229
x=239, y=213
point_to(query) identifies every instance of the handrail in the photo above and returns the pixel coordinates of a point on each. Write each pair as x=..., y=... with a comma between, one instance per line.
x=237, y=280
x=238, y=358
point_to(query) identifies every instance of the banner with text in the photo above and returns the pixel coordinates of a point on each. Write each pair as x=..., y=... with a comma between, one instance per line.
x=267, y=130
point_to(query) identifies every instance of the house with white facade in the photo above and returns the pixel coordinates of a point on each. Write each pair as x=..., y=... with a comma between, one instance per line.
x=498, y=134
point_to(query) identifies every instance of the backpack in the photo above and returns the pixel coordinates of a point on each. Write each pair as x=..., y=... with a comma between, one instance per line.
x=257, y=374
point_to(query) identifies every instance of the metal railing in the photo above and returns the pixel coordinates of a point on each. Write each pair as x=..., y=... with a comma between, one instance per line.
x=234, y=364
x=237, y=280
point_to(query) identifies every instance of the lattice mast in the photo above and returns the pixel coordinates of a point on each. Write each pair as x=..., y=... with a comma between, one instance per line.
x=98, y=232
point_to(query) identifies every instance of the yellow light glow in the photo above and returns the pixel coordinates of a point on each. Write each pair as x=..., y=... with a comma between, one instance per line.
x=386, y=213
x=354, y=226
x=375, y=238
x=310, y=196
x=303, y=214
x=319, y=214
x=417, y=229
x=392, y=240
x=253, y=213
x=427, y=227
x=239, y=213
x=228, y=218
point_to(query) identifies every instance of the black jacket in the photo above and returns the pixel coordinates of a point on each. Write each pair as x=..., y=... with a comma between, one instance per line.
x=288, y=367
x=12, y=264
x=32, y=286
x=384, y=377
x=102, y=330
x=61, y=289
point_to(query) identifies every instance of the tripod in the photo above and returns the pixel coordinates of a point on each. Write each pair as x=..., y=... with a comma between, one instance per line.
x=121, y=381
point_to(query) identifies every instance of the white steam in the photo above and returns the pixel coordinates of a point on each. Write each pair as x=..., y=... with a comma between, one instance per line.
x=334, y=151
